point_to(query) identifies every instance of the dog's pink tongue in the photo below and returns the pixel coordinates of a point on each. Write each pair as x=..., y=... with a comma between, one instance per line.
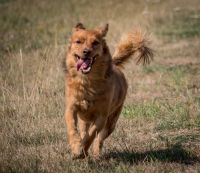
x=79, y=64
x=83, y=64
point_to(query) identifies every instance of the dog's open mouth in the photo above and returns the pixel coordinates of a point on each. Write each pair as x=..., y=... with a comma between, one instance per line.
x=85, y=65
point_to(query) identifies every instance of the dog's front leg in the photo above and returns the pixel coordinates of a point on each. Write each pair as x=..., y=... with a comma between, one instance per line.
x=93, y=131
x=83, y=128
x=72, y=132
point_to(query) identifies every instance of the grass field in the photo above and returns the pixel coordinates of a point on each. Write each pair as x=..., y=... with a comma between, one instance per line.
x=159, y=128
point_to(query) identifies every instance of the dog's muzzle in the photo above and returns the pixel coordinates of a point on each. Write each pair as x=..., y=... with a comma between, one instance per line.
x=84, y=64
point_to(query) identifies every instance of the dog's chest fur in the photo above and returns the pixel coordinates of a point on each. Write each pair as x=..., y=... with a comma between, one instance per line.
x=87, y=93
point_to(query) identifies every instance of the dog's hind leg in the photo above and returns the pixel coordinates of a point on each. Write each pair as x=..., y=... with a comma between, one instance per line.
x=105, y=132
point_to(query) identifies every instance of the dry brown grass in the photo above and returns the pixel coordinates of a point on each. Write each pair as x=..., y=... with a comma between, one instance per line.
x=160, y=125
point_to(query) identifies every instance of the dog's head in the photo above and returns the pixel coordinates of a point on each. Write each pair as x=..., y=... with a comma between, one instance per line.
x=87, y=47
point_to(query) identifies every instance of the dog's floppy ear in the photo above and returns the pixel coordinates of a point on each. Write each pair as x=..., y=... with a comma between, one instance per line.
x=78, y=26
x=103, y=30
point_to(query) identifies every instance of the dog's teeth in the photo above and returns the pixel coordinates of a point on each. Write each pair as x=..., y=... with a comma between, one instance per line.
x=86, y=70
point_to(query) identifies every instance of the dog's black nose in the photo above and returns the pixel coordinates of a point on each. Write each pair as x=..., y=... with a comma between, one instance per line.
x=86, y=51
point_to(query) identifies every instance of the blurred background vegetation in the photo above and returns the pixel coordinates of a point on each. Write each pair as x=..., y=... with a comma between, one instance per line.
x=34, y=24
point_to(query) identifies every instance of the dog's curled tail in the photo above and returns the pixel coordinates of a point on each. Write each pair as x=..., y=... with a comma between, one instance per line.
x=134, y=43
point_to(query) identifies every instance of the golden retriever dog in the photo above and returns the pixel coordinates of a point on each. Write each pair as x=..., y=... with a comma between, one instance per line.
x=95, y=85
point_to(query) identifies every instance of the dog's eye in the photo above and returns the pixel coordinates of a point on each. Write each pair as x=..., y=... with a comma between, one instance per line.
x=95, y=43
x=78, y=41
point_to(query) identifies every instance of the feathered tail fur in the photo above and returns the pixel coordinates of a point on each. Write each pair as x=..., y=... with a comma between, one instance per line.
x=134, y=42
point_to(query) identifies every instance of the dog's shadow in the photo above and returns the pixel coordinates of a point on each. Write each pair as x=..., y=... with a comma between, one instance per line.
x=175, y=154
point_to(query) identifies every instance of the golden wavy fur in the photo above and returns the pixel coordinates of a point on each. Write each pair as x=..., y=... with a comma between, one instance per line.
x=95, y=85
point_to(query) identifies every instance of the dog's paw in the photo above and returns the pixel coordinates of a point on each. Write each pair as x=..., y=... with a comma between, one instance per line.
x=96, y=156
x=79, y=155
x=97, y=151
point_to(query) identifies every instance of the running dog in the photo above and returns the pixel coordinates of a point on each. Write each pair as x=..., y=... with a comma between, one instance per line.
x=96, y=86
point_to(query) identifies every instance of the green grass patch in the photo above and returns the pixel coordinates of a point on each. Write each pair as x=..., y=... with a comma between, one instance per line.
x=148, y=110
x=167, y=114
x=177, y=116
